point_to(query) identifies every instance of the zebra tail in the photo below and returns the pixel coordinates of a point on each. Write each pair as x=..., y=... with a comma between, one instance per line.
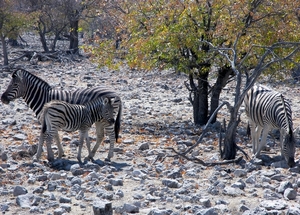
x=118, y=123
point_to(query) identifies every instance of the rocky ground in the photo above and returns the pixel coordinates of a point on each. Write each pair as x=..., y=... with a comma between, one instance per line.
x=156, y=115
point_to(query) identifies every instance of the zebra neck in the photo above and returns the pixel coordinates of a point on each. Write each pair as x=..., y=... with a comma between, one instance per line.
x=36, y=97
x=94, y=111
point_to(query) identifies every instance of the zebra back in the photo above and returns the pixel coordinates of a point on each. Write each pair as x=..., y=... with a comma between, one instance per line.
x=265, y=106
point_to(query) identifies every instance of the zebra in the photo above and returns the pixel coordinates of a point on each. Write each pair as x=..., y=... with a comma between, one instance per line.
x=36, y=92
x=267, y=109
x=60, y=115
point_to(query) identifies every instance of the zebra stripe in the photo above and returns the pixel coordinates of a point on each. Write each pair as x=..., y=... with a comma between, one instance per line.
x=60, y=115
x=267, y=109
x=37, y=92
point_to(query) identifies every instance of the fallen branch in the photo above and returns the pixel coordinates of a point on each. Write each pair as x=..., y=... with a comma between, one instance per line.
x=161, y=157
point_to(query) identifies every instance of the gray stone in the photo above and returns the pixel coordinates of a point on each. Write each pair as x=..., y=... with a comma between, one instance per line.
x=240, y=173
x=176, y=173
x=251, y=179
x=38, y=190
x=55, y=176
x=243, y=208
x=144, y=146
x=20, y=137
x=59, y=211
x=64, y=199
x=270, y=195
x=293, y=211
x=4, y=207
x=273, y=205
x=9, y=121
x=231, y=191
x=79, y=195
x=19, y=190
x=239, y=184
x=205, y=202
x=76, y=170
x=283, y=186
x=101, y=207
x=290, y=194
x=24, y=201
x=52, y=185
x=160, y=212
x=171, y=183
x=130, y=208
x=76, y=180
x=210, y=211
x=66, y=207
x=120, y=193
x=278, y=177
x=116, y=182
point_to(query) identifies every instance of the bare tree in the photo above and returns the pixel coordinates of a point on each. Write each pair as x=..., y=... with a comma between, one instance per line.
x=277, y=53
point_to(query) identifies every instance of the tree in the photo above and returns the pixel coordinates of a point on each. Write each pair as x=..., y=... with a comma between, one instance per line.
x=12, y=21
x=169, y=34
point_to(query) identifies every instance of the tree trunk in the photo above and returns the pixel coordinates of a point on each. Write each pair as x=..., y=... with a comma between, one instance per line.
x=223, y=76
x=4, y=50
x=200, y=102
x=74, y=36
x=230, y=147
x=44, y=41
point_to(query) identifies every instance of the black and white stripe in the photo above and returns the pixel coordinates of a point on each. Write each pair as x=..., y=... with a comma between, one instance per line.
x=267, y=109
x=60, y=115
x=37, y=92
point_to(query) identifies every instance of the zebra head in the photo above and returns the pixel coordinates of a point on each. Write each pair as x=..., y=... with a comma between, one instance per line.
x=107, y=110
x=15, y=88
x=288, y=146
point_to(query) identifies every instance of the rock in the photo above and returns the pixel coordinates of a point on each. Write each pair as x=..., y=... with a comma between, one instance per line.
x=64, y=199
x=171, y=183
x=144, y=146
x=240, y=173
x=160, y=212
x=116, y=182
x=290, y=194
x=293, y=211
x=273, y=205
x=76, y=170
x=19, y=190
x=101, y=207
x=130, y=208
x=24, y=201
x=283, y=186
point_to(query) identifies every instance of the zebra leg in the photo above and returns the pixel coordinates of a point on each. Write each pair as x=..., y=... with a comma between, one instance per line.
x=50, y=155
x=40, y=146
x=263, y=140
x=254, y=136
x=88, y=145
x=81, y=139
x=112, y=138
x=59, y=146
x=100, y=135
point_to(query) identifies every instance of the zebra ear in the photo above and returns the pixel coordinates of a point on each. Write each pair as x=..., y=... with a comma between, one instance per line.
x=106, y=101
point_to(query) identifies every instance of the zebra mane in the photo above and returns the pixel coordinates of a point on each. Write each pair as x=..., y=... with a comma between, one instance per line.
x=33, y=77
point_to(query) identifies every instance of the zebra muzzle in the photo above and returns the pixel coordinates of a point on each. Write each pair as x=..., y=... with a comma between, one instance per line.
x=5, y=99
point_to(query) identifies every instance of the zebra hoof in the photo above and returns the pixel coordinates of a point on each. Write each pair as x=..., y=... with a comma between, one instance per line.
x=107, y=159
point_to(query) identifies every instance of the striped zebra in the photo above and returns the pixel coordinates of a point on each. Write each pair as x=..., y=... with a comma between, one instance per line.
x=37, y=92
x=267, y=109
x=60, y=115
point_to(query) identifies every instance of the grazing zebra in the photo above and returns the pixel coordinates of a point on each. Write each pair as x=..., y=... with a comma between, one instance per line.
x=60, y=115
x=268, y=109
x=37, y=92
